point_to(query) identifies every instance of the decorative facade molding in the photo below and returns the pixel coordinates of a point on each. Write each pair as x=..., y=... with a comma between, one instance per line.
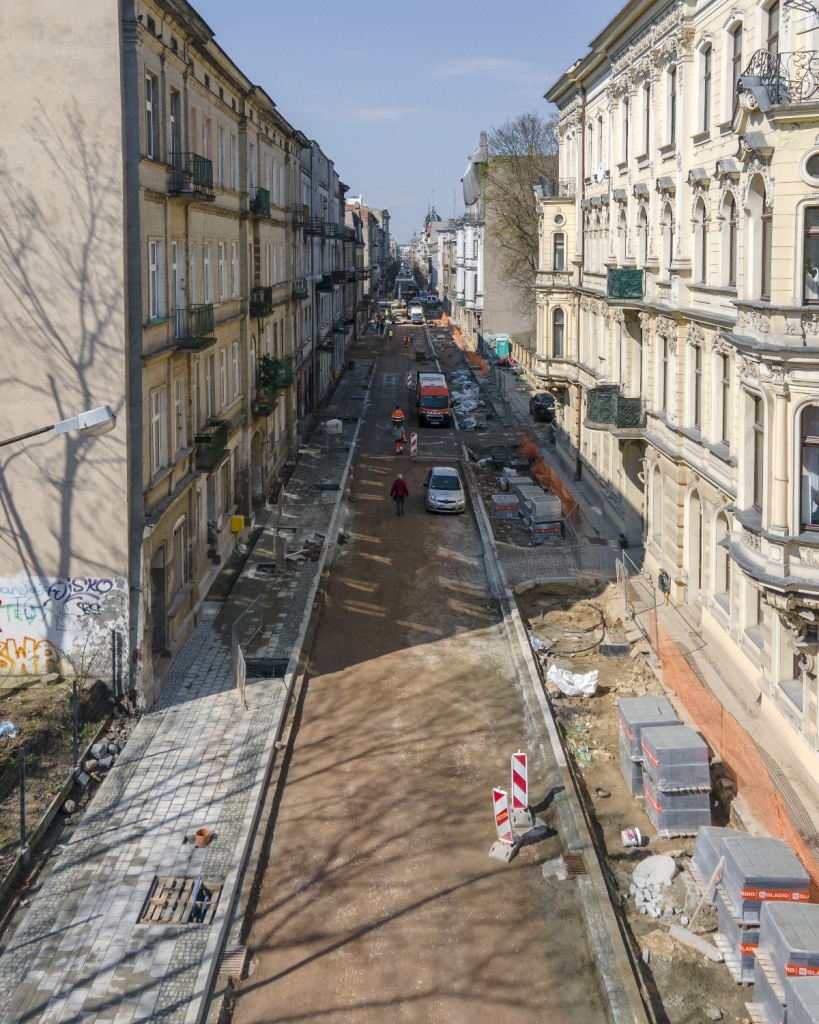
x=751, y=319
x=694, y=335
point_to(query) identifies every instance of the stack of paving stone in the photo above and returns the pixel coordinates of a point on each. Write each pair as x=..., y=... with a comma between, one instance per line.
x=505, y=506
x=802, y=1000
x=635, y=714
x=788, y=948
x=707, y=852
x=511, y=478
x=676, y=779
x=737, y=942
x=756, y=869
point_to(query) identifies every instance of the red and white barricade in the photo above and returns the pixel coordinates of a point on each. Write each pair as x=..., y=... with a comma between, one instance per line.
x=505, y=847
x=413, y=444
x=521, y=815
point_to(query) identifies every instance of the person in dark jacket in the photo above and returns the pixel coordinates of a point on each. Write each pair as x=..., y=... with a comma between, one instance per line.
x=399, y=492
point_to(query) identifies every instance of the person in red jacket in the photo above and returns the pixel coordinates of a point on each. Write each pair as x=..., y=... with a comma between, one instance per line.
x=398, y=492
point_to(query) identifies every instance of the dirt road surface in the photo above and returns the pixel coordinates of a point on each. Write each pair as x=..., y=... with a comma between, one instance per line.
x=379, y=902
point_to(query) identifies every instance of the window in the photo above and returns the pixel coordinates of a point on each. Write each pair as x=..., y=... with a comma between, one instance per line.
x=222, y=257
x=773, y=29
x=664, y=377
x=810, y=286
x=700, y=243
x=646, y=116
x=234, y=163
x=758, y=441
x=705, y=112
x=194, y=274
x=722, y=566
x=151, y=117
x=642, y=237
x=175, y=125
x=223, y=378
x=207, y=280
x=156, y=305
x=210, y=384
x=725, y=400
x=729, y=216
x=207, y=142
x=251, y=165
x=672, y=107
x=179, y=418
x=474, y=248
x=180, y=555
x=193, y=126
x=559, y=251
x=657, y=508
x=766, y=230
x=197, y=402
x=177, y=283
x=159, y=438
x=234, y=269
x=589, y=149
x=736, y=64
x=235, y=369
x=558, y=333
x=697, y=396
x=600, y=138
x=222, y=156
x=253, y=362
x=810, y=468
x=624, y=134
x=668, y=239
x=267, y=265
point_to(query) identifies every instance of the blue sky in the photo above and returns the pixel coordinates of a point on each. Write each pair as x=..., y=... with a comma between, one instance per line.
x=396, y=95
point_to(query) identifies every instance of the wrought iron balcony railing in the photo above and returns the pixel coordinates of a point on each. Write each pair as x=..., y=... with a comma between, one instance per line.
x=299, y=289
x=624, y=283
x=788, y=77
x=260, y=201
x=192, y=175
x=211, y=444
x=194, y=326
x=284, y=373
x=300, y=215
x=557, y=188
x=261, y=300
x=606, y=406
x=264, y=401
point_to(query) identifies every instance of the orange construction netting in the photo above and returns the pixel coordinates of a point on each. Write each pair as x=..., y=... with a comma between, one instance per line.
x=731, y=742
x=546, y=476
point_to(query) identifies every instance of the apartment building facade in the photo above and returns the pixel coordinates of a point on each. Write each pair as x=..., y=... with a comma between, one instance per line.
x=677, y=319
x=171, y=275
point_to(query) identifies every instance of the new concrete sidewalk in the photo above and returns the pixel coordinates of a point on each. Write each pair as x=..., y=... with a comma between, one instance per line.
x=200, y=758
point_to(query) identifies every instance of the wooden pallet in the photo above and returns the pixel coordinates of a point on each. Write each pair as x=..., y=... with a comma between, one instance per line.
x=702, y=883
x=181, y=900
x=769, y=971
x=757, y=1013
x=732, y=960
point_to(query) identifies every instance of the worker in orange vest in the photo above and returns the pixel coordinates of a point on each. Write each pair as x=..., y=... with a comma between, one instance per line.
x=398, y=417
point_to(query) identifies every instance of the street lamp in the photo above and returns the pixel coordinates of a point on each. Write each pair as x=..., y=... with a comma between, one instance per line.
x=92, y=423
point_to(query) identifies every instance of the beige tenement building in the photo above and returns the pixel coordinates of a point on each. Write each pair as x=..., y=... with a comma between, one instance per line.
x=678, y=319
x=152, y=257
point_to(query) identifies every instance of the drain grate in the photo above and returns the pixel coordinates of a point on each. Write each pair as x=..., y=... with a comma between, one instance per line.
x=575, y=865
x=181, y=900
x=233, y=962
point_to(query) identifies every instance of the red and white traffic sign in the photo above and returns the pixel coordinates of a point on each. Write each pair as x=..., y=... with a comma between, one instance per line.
x=503, y=822
x=413, y=444
x=520, y=781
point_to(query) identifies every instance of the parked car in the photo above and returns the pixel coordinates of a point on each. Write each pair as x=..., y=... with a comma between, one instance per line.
x=542, y=406
x=445, y=491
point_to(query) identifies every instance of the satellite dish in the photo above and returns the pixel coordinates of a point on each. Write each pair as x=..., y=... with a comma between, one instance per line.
x=601, y=171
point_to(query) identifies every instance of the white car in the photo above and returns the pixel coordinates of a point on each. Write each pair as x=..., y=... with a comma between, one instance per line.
x=445, y=491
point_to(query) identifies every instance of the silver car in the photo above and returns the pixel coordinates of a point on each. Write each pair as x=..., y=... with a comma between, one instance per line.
x=445, y=491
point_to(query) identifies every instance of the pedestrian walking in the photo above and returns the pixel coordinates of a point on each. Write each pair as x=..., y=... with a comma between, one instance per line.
x=406, y=341
x=389, y=333
x=399, y=492
x=399, y=437
x=398, y=416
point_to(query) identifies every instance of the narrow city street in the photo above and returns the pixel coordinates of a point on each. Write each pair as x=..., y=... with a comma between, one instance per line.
x=379, y=901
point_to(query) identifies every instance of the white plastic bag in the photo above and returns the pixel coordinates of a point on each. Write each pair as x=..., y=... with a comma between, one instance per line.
x=573, y=684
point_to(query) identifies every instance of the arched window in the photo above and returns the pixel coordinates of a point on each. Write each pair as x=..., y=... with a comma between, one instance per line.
x=736, y=63
x=621, y=236
x=700, y=244
x=672, y=106
x=558, y=251
x=722, y=561
x=810, y=468
x=758, y=451
x=729, y=241
x=558, y=333
x=810, y=284
x=668, y=238
x=642, y=237
x=705, y=96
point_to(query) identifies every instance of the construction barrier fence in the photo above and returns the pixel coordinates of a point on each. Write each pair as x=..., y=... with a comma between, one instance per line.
x=738, y=753
x=548, y=478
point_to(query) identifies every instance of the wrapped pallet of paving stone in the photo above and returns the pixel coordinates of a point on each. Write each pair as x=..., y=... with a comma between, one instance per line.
x=758, y=869
x=632, y=770
x=802, y=1000
x=788, y=948
x=707, y=852
x=676, y=757
x=505, y=506
x=677, y=813
x=636, y=712
x=737, y=942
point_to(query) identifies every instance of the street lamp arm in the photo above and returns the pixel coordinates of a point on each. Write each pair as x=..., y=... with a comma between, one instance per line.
x=92, y=423
x=22, y=437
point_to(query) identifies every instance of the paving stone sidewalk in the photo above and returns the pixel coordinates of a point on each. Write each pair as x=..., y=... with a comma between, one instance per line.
x=198, y=759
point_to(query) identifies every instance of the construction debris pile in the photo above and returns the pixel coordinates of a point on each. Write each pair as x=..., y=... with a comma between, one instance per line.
x=468, y=403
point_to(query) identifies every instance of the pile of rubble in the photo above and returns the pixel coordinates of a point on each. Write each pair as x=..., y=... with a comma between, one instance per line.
x=102, y=758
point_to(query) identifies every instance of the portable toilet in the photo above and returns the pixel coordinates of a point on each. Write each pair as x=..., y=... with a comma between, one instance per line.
x=503, y=346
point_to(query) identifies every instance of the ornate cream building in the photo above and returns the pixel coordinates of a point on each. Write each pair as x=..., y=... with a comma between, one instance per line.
x=678, y=318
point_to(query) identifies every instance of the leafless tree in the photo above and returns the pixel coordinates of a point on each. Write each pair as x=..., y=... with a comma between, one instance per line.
x=522, y=153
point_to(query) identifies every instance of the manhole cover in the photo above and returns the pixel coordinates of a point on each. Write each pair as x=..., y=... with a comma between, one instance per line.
x=181, y=900
x=233, y=962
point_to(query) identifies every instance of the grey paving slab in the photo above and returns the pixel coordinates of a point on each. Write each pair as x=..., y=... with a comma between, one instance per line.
x=199, y=758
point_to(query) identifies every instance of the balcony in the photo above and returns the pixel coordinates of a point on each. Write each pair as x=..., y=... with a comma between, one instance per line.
x=260, y=201
x=194, y=327
x=299, y=215
x=326, y=283
x=299, y=287
x=261, y=301
x=284, y=373
x=211, y=444
x=607, y=408
x=264, y=401
x=340, y=276
x=555, y=188
x=624, y=283
x=787, y=77
x=315, y=225
x=192, y=176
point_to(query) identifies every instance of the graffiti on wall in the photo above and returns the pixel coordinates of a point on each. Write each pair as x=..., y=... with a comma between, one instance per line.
x=59, y=624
